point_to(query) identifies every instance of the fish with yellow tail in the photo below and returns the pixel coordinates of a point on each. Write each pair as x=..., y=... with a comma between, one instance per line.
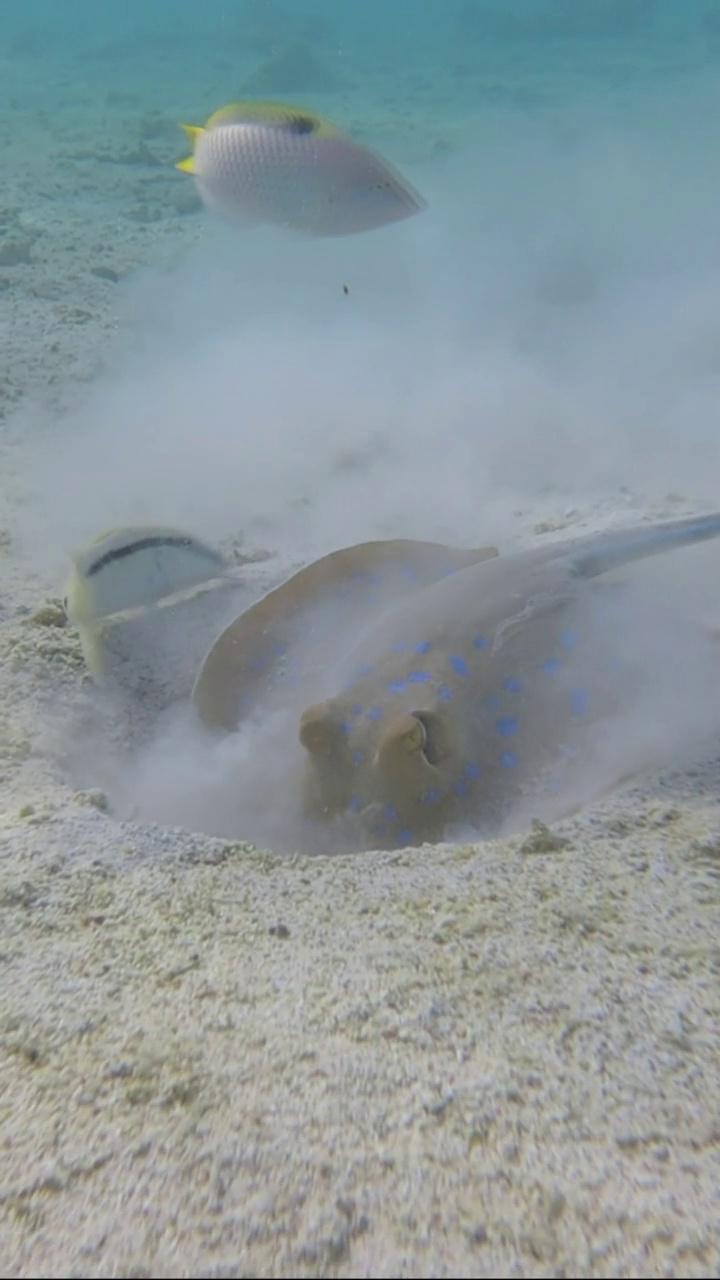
x=128, y=577
x=266, y=162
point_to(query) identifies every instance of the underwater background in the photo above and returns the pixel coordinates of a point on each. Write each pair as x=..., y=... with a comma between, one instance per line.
x=553, y=309
x=482, y=1058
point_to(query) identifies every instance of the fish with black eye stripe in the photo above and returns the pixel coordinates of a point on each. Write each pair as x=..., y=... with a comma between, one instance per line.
x=266, y=162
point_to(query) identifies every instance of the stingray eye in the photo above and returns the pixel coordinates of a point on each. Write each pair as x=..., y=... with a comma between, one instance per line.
x=415, y=737
x=321, y=730
x=432, y=744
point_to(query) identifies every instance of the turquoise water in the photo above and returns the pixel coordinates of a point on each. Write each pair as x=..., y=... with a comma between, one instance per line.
x=542, y=336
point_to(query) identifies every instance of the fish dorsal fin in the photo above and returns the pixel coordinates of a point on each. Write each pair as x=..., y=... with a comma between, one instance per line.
x=281, y=651
x=276, y=115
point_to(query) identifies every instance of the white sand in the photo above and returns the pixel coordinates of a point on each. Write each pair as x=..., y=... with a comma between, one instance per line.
x=491, y=1060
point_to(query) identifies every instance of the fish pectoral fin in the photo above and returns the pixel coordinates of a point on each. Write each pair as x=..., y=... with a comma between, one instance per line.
x=187, y=165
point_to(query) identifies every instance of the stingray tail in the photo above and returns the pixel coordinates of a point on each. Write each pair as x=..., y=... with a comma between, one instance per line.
x=599, y=555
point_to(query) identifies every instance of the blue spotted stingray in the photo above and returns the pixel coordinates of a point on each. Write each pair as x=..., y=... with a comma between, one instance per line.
x=432, y=686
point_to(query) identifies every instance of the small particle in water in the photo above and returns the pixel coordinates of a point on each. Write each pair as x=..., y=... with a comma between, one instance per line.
x=346, y=290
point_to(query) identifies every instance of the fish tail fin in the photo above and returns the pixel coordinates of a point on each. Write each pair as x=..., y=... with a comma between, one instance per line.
x=192, y=132
x=91, y=637
x=600, y=555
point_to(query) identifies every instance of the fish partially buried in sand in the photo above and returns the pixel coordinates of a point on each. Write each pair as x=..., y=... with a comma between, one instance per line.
x=457, y=696
x=145, y=598
x=266, y=162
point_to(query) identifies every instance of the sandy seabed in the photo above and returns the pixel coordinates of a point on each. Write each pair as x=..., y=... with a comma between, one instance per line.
x=490, y=1060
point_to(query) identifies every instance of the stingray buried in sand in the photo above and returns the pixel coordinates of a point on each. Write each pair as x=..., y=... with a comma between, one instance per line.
x=266, y=162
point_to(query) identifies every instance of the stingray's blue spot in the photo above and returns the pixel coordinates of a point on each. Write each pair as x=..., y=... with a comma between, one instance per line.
x=459, y=664
x=365, y=669
x=375, y=713
x=405, y=835
x=551, y=665
x=460, y=788
x=375, y=579
x=358, y=576
x=481, y=642
x=472, y=770
x=258, y=663
x=431, y=796
x=346, y=728
x=445, y=693
x=423, y=646
x=399, y=648
x=569, y=639
x=356, y=709
x=570, y=753
x=419, y=677
x=410, y=574
x=493, y=702
x=512, y=685
x=245, y=700
x=355, y=803
x=508, y=759
x=397, y=686
x=389, y=813
x=279, y=649
x=506, y=726
x=358, y=757
x=579, y=699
